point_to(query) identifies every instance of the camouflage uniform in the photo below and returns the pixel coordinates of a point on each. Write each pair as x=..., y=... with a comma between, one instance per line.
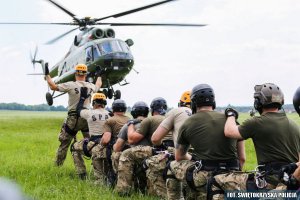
x=272, y=153
x=211, y=147
x=96, y=119
x=158, y=163
x=72, y=123
x=102, y=154
x=136, y=155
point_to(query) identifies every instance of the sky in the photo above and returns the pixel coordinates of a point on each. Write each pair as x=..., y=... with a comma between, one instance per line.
x=244, y=43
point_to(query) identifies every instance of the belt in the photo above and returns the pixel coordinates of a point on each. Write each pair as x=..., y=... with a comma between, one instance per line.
x=272, y=166
x=212, y=165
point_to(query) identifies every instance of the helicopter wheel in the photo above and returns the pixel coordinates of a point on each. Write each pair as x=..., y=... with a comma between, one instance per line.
x=117, y=94
x=110, y=93
x=49, y=99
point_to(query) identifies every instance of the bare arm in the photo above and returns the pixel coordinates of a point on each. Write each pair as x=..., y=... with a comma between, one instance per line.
x=231, y=129
x=51, y=84
x=118, y=146
x=158, y=135
x=98, y=83
x=241, y=153
x=181, y=153
x=106, y=138
x=133, y=136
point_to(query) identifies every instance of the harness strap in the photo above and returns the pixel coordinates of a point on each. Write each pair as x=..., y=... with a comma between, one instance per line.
x=190, y=178
x=210, y=193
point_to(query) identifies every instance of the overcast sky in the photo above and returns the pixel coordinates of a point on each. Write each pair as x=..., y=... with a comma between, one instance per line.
x=245, y=43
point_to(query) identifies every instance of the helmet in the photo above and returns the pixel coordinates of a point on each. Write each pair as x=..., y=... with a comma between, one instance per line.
x=267, y=95
x=81, y=69
x=159, y=104
x=185, y=100
x=140, y=108
x=202, y=95
x=119, y=105
x=99, y=98
x=296, y=100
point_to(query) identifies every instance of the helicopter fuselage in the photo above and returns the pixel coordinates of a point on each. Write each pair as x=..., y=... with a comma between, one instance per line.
x=110, y=55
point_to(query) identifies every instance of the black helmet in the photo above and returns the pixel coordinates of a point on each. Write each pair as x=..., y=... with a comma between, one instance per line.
x=202, y=95
x=267, y=95
x=296, y=101
x=140, y=108
x=119, y=105
x=159, y=104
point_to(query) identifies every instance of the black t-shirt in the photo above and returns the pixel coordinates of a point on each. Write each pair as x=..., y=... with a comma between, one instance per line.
x=204, y=131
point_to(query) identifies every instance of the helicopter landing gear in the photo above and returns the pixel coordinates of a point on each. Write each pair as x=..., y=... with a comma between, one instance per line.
x=49, y=98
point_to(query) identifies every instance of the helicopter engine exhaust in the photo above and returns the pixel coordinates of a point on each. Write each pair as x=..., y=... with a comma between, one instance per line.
x=98, y=33
x=109, y=33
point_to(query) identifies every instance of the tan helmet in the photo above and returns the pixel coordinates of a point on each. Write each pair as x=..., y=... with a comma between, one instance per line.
x=185, y=99
x=99, y=98
x=81, y=69
x=267, y=95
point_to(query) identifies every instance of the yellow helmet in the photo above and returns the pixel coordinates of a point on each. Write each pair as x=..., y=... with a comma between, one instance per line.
x=185, y=99
x=99, y=98
x=81, y=69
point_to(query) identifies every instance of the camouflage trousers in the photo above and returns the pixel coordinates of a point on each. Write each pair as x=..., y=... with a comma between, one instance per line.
x=115, y=157
x=75, y=124
x=178, y=170
x=156, y=168
x=128, y=159
x=100, y=163
x=238, y=181
x=77, y=153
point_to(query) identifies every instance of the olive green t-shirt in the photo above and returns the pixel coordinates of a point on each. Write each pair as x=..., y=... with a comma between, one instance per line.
x=275, y=137
x=204, y=131
x=114, y=124
x=149, y=125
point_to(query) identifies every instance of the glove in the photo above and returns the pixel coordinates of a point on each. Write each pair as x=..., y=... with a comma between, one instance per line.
x=46, y=69
x=288, y=169
x=99, y=72
x=83, y=93
x=133, y=121
x=231, y=112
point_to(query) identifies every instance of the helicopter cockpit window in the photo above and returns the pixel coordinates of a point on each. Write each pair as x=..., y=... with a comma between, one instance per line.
x=96, y=53
x=113, y=46
x=89, y=54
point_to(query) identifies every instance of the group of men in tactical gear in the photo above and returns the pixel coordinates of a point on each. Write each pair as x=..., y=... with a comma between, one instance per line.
x=191, y=152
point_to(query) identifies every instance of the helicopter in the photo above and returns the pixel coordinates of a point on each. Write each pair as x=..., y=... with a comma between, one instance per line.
x=98, y=48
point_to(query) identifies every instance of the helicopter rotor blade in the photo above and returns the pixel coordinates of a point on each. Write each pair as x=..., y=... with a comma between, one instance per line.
x=61, y=36
x=133, y=10
x=65, y=10
x=151, y=24
x=35, y=23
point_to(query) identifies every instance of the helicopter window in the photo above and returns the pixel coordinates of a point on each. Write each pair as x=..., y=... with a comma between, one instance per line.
x=113, y=46
x=96, y=52
x=89, y=54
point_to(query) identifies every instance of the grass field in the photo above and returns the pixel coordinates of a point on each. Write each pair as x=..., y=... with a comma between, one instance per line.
x=27, y=150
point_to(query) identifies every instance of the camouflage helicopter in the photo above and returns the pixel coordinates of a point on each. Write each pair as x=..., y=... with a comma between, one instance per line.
x=98, y=49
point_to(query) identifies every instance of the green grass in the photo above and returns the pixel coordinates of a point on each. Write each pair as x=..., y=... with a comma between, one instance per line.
x=27, y=150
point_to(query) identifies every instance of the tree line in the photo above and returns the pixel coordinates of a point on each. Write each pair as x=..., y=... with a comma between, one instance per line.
x=40, y=107
x=44, y=107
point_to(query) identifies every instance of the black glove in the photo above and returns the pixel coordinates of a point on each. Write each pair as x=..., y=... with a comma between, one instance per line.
x=231, y=112
x=84, y=93
x=99, y=72
x=289, y=169
x=46, y=69
x=133, y=121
